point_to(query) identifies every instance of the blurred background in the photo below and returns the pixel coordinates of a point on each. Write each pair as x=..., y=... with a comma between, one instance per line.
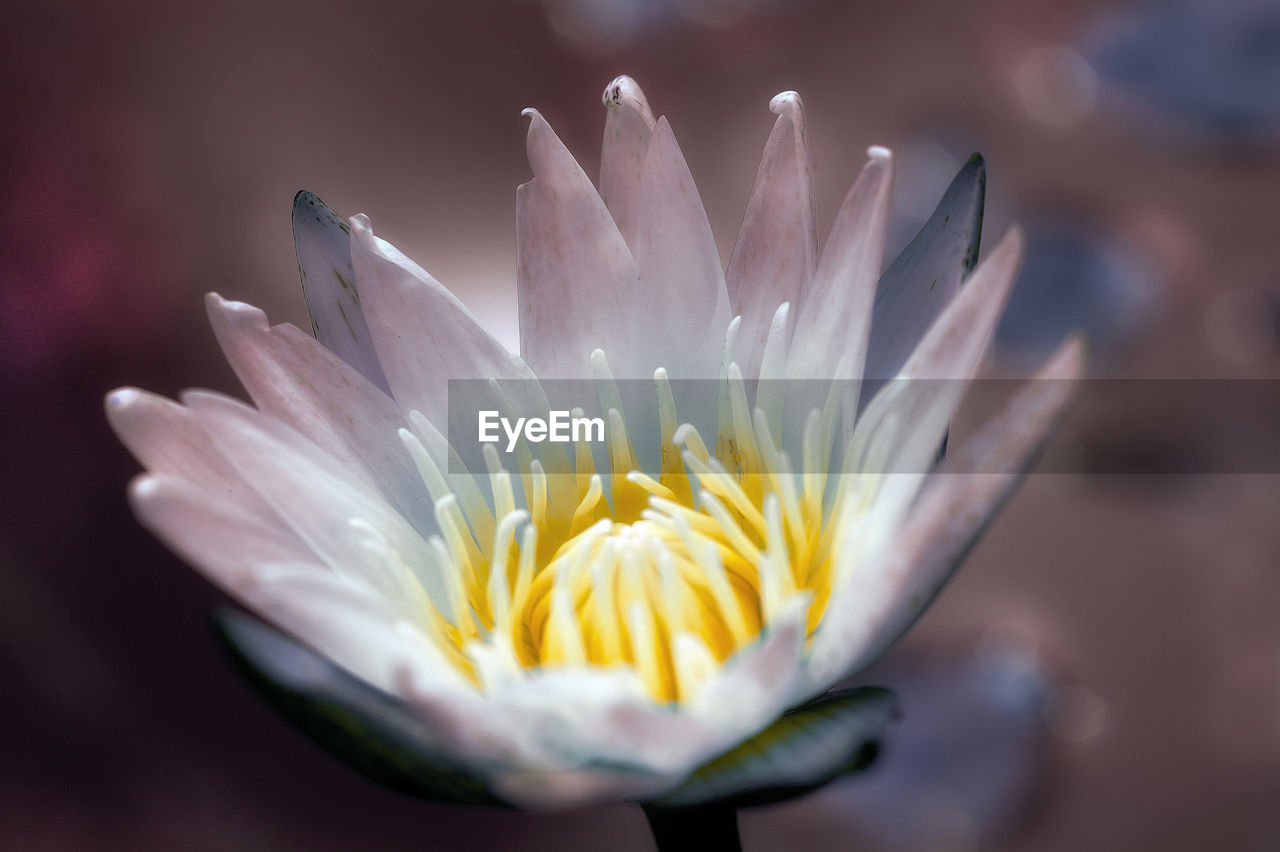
x=1103, y=674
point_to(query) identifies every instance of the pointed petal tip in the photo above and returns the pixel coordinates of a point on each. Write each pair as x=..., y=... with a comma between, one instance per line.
x=538, y=125
x=542, y=146
x=1014, y=239
x=219, y=309
x=142, y=488
x=970, y=179
x=1007, y=252
x=787, y=103
x=310, y=211
x=121, y=398
x=624, y=91
x=1071, y=360
x=972, y=173
x=1002, y=262
x=361, y=227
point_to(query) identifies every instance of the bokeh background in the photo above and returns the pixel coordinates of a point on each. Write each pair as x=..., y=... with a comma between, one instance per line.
x=1103, y=674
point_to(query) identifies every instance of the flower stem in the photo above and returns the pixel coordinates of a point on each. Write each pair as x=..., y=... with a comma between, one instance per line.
x=705, y=828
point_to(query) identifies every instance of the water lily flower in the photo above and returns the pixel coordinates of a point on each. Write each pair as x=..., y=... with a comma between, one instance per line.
x=558, y=630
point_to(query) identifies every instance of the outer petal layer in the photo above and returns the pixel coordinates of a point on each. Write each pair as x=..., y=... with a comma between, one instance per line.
x=168, y=438
x=217, y=534
x=888, y=593
x=291, y=377
x=317, y=498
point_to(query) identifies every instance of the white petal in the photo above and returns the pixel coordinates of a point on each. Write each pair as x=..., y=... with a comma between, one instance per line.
x=588, y=720
x=270, y=570
x=166, y=437
x=323, y=243
x=680, y=273
x=225, y=539
x=290, y=376
x=423, y=334
x=834, y=315
x=316, y=496
x=953, y=346
x=883, y=597
x=761, y=681
x=575, y=276
x=774, y=257
x=573, y=736
x=628, y=124
x=350, y=623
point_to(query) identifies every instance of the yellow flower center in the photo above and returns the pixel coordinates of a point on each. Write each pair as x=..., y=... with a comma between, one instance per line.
x=668, y=576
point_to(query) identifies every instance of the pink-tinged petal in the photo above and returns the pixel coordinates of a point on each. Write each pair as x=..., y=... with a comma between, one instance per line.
x=572, y=736
x=290, y=376
x=953, y=346
x=423, y=334
x=587, y=720
x=761, y=681
x=350, y=623
x=167, y=438
x=921, y=282
x=226, y=539
x=834, y=316
x=947, y=357
x=323, y=243
x=774, y=258
x=575, y=277
x=628, y=124
x=680, y=273
x=270, y=570
x=317, y=497
x=884, y=597
x=263, y=564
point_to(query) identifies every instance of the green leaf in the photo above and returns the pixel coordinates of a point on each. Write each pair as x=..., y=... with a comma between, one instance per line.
x=364, y=727
x=806, y=748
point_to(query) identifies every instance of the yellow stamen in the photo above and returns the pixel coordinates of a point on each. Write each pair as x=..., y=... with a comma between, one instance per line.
x=667, y=574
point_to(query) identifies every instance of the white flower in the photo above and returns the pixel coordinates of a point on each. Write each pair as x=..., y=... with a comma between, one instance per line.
x=567, y=635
